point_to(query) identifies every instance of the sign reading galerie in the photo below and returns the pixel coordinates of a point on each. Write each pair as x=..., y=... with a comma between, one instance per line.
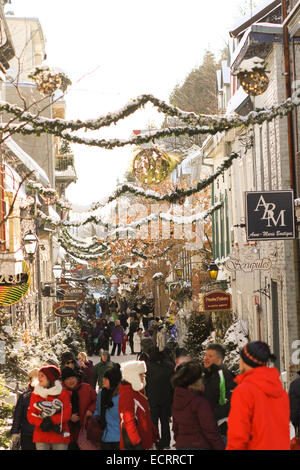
x=270, y=215
x=216, y=301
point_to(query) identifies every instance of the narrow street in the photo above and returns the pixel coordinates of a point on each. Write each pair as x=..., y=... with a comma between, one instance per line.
x=149, y=193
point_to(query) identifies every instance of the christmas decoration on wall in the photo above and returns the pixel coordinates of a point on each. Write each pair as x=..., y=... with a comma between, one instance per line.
x=14, y=287
x=48, y=80
x=153, y=165
x=252, y=76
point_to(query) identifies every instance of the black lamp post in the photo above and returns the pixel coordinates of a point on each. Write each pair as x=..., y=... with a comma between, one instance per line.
x=30, y=242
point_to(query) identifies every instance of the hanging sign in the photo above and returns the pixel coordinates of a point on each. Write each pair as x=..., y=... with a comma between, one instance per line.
x=13, y=287
x=74, y=294
x=216, y=301
x=249, y=266
x=270, y=215
x=65, y=309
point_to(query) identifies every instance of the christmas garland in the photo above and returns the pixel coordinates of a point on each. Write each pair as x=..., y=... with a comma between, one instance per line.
x=203, y=123
x=93, y=247
x=80, y=255
x=172, y=197
x=179, y=194
x=117, y=229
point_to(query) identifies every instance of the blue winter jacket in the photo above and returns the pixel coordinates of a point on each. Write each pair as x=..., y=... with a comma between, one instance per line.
x=112, y=430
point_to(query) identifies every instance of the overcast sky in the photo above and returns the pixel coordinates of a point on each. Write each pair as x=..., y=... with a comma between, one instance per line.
x=115, y=50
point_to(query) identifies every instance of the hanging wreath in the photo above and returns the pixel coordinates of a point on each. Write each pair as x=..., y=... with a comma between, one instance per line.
x=153, y=165
x=49, y=80
x=253, y=77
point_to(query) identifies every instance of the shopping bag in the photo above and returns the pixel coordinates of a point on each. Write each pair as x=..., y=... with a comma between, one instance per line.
x=83, y=442
x=94, y=431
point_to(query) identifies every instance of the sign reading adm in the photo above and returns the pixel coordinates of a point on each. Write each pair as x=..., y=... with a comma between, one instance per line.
x=270, y=215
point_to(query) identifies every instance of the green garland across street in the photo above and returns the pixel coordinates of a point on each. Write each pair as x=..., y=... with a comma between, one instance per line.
x=203, y=123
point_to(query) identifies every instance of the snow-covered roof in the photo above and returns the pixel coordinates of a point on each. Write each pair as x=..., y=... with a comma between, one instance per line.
x=255, y=15
x=236, y=100
x=27, y=161
x=256, y=34
x=12, y=182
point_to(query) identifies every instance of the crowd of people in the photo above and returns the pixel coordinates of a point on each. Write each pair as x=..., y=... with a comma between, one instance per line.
x=139, y=403
x=117, y=326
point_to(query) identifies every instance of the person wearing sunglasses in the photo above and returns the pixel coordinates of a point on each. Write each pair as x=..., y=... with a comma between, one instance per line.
x=68, y=360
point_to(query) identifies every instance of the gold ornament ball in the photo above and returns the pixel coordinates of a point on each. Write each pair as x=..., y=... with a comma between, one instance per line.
x=254, y=83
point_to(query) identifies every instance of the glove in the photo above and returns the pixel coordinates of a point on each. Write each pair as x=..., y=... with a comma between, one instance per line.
x=46, y=425
x=16, y=440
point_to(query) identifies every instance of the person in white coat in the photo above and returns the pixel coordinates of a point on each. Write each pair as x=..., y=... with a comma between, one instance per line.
x=137, y=336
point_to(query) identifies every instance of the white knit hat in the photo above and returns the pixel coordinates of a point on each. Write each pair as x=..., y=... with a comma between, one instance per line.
x=131, y=373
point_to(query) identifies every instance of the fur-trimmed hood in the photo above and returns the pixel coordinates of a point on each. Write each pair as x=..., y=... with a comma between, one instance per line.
x=131, y=373
x=44, y=392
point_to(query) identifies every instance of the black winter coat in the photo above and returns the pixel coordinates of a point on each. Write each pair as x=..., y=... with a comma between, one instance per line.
x=133, y=327
x=20, y=423
x=158, y=383
x=212, y=392
x=294, y=395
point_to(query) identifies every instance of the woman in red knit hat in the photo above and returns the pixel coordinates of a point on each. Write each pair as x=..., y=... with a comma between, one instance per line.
x=50, y=410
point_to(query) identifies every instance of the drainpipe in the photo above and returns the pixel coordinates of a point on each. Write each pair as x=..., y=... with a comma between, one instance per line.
x=291, y=142
x=288, y=88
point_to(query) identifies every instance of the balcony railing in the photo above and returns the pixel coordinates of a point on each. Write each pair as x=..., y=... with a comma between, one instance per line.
x=62, y=162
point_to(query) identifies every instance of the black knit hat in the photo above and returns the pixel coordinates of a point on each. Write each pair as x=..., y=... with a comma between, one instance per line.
x=67, y=356
x=257, y=354
x=67, y=372
x=114, y=375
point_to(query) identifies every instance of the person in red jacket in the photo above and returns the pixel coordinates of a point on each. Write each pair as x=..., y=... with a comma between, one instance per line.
x=83, y=400
x=137, y=430
x=49, y=411
x=259, y=415
x=194, y=424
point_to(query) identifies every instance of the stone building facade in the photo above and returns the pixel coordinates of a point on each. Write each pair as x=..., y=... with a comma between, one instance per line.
x=268, y=299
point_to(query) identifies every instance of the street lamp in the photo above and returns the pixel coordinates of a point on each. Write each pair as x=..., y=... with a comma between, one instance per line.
x=179, y=273
x=57, y=271
x=213, y=271
x=30, y=242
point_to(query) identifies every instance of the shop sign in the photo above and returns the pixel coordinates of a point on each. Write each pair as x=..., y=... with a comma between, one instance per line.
x=74, y=294
x=65, y=309
x=270, y=215
x=216, y=301
x=13, y=287
x=234, y=264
